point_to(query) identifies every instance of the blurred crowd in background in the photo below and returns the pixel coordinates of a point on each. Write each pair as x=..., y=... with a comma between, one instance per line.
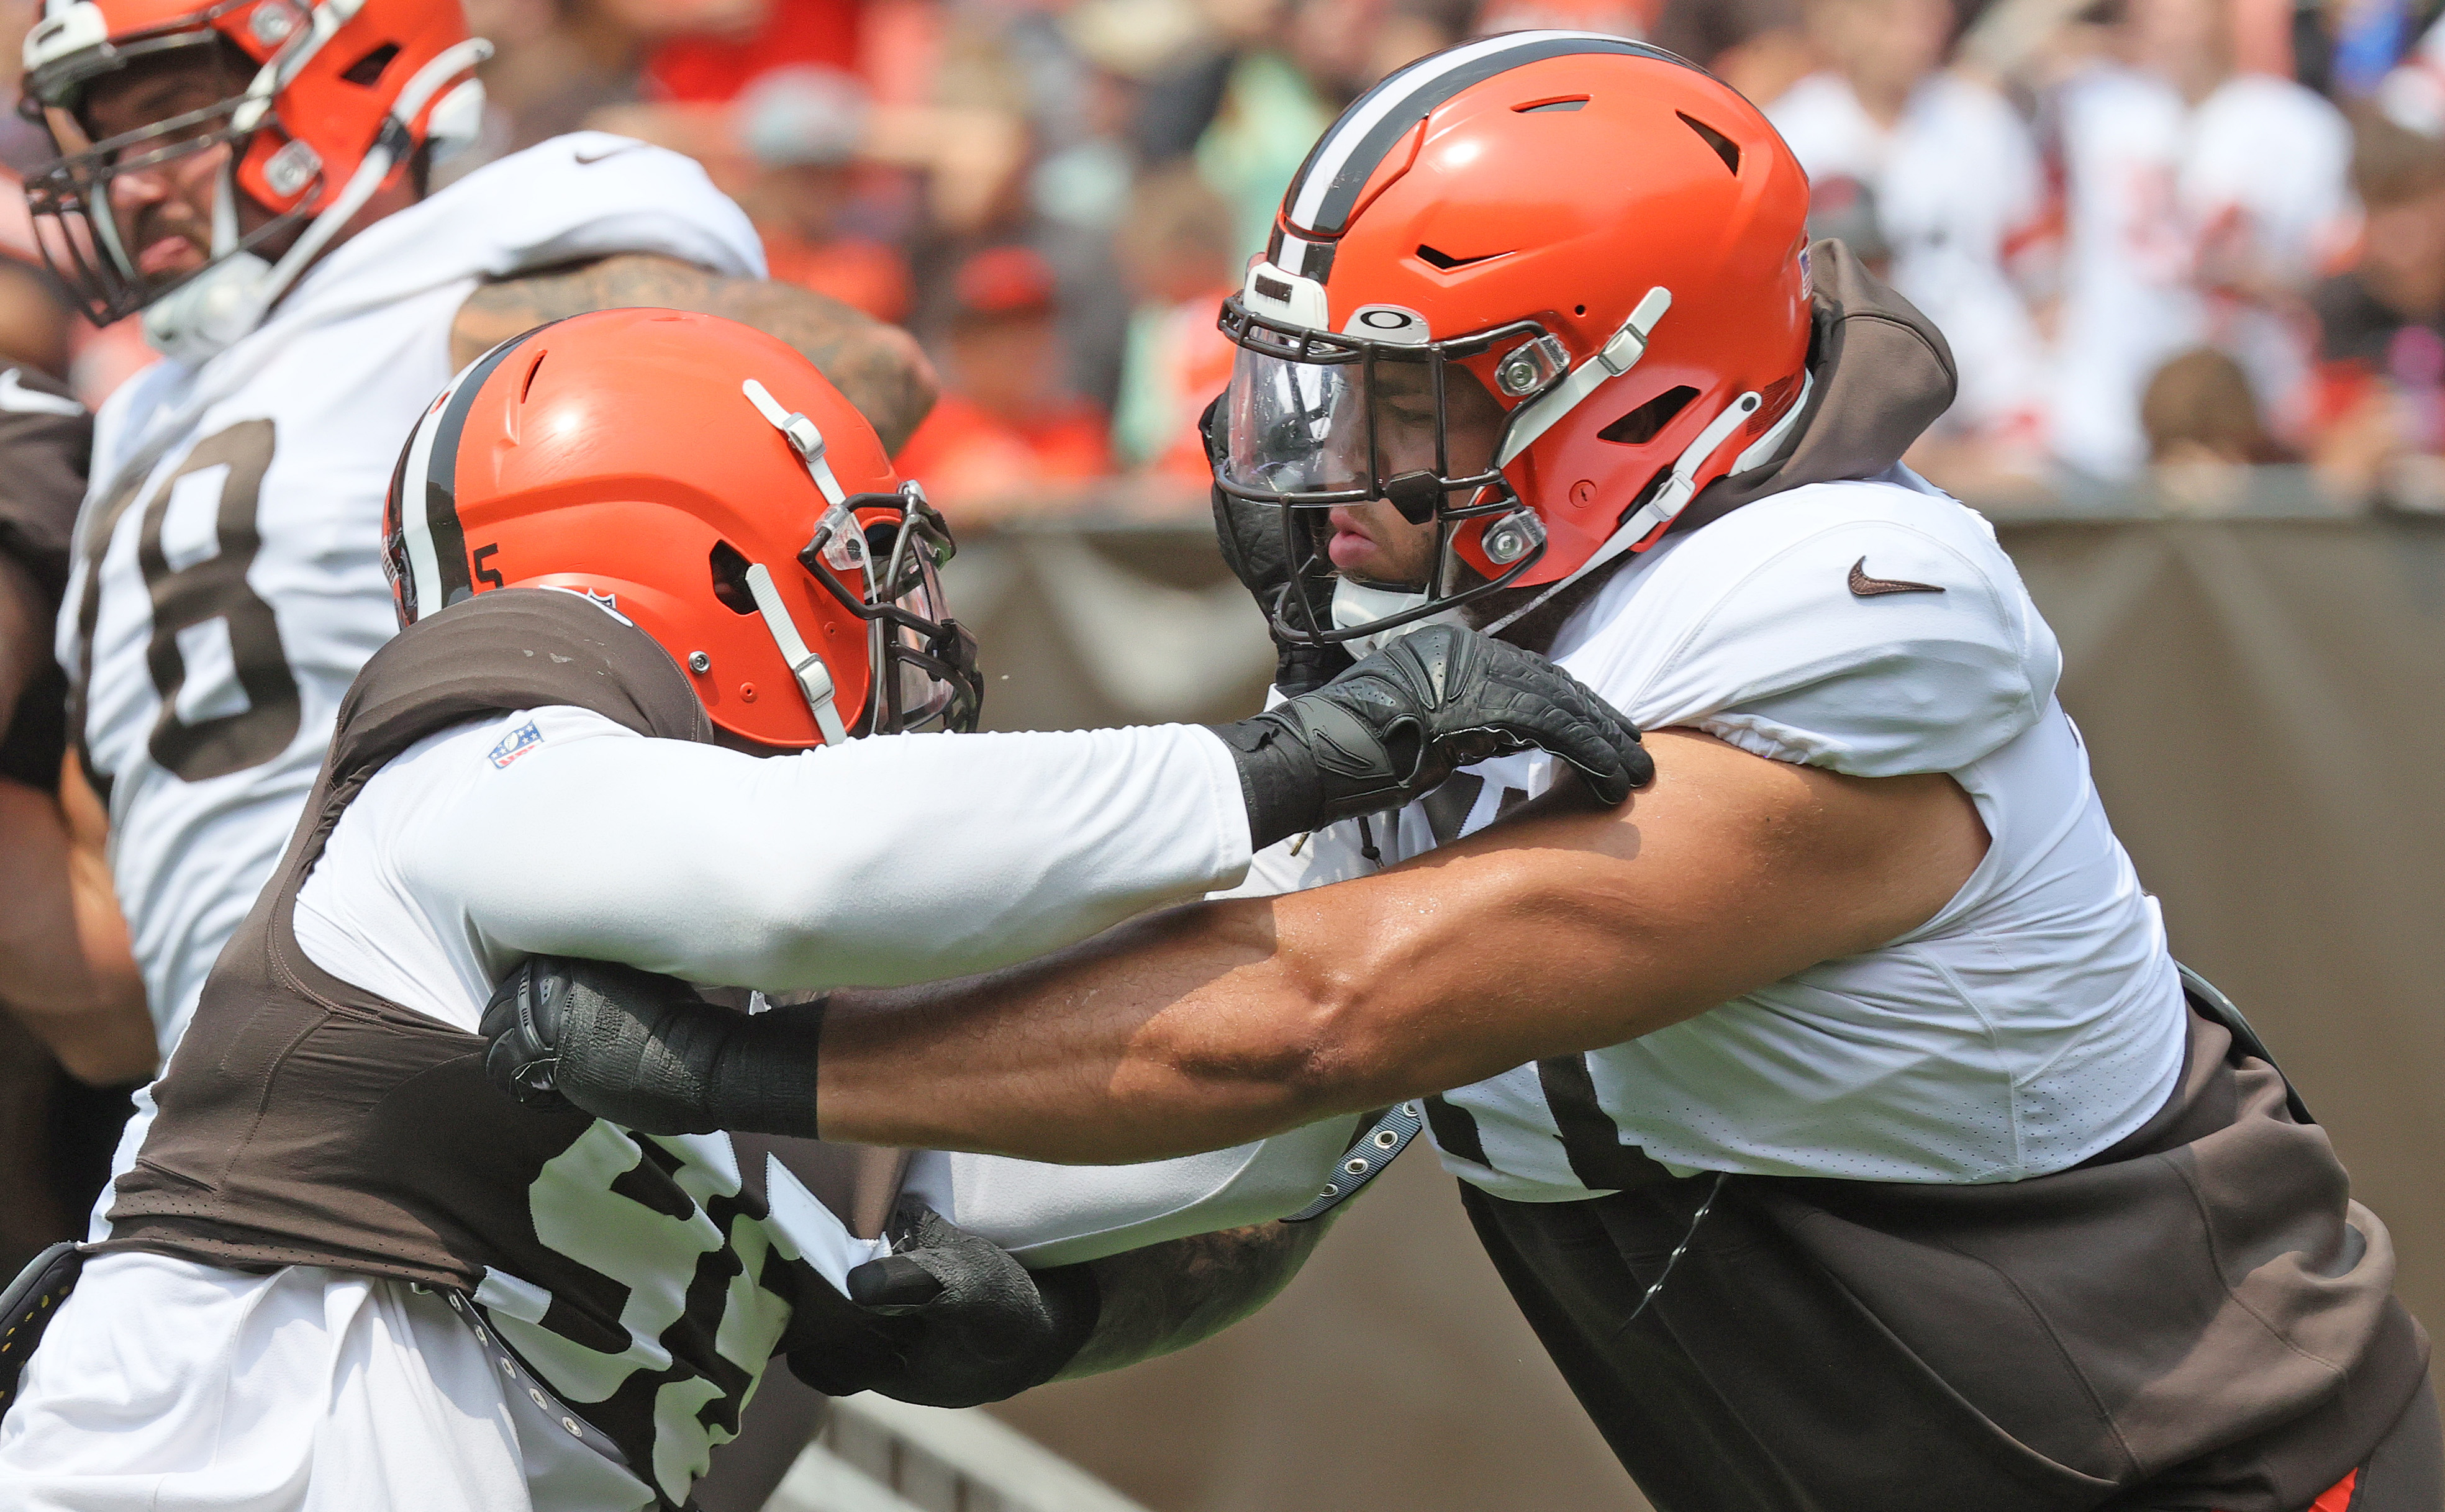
x=2168, y=239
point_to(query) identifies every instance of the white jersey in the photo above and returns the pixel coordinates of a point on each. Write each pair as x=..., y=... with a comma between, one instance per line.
x=884, y=861
x=228, y=583
x=2032, y=1023
x=1955, y=180
x=2159, y=193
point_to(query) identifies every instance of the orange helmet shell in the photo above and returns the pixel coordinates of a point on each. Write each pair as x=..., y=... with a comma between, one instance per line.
x=615, y=454
x=1560, y=178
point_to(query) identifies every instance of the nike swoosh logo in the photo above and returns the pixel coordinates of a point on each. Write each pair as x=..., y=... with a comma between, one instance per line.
x=1868, y=587
x=585, y=157
x=17, y=401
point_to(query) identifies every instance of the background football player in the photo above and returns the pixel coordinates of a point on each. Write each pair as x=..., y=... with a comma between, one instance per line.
x=1834, y=1108
x=251, y=177
x=330, y=1177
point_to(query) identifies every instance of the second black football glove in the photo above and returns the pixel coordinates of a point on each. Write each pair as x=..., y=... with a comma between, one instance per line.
x=1395, y=726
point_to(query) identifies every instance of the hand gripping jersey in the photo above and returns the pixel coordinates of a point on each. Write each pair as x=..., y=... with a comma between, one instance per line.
x=306, y=1121
x=228, y=580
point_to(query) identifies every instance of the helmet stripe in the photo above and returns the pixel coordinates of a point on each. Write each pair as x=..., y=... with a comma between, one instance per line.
x=1327, y=187
x=436, y=544
x=424, y=575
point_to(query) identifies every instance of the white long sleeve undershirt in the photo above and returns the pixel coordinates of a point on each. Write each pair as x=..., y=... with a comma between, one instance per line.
x=885, y=861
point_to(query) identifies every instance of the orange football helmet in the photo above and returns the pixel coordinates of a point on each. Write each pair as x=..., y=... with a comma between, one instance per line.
x=1589, y=252
x=343, y=93
x=703, y=481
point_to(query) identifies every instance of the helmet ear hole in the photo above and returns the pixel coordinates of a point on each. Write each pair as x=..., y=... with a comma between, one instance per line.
x=1648, y=420
x=730, y=578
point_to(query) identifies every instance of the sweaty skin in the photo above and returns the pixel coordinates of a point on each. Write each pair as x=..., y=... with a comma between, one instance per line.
x=1556, y=931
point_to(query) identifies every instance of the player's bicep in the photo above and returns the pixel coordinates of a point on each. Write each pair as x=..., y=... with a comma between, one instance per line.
x=599, y=848
x=1559, y=930
x=887, y=861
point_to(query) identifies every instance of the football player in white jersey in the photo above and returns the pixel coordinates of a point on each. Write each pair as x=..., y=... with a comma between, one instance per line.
x=250, y=176
x=1834, y=1108
x=702, y=547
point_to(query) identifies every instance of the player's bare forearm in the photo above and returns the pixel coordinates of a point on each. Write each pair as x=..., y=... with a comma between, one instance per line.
x=1168, y=1296
x=877, y=367
x=64, y=968
x=1558, y=932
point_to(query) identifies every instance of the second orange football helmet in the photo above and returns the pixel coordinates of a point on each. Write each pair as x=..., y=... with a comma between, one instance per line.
x=703, y=481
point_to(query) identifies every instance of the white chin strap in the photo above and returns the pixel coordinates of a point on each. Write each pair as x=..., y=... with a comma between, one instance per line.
x=814, y=679
x=1355, y=605
x=1680, y=487
x=214, y=310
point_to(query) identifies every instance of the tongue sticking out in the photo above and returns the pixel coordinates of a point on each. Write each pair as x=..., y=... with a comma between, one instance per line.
x=169, y=255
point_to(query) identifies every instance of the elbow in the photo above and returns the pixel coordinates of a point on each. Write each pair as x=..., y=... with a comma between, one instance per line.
x=904, y=388
x=1323, y=1051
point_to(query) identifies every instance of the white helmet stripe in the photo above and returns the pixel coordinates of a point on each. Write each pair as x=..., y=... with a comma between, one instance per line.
x=424, y=570
x=1329, y=183
x=428, y=486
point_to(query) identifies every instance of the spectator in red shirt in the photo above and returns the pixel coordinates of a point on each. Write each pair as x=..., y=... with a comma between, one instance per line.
x=1006, y=439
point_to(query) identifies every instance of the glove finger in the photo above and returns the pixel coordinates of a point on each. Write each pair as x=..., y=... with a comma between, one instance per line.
x=1573, y=723
x=893, y=1284
x=1602, y=754
x=520, y=1058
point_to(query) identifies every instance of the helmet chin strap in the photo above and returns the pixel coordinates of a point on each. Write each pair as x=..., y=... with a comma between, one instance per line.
x=214, y=310
x=1678, y=489
x=1357, y=603
x=814, y=679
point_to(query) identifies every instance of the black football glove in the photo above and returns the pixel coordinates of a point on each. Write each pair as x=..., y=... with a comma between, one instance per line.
x=646, y=1053
x=978, y=1327
x=1395, y=726
x=1251, y=536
